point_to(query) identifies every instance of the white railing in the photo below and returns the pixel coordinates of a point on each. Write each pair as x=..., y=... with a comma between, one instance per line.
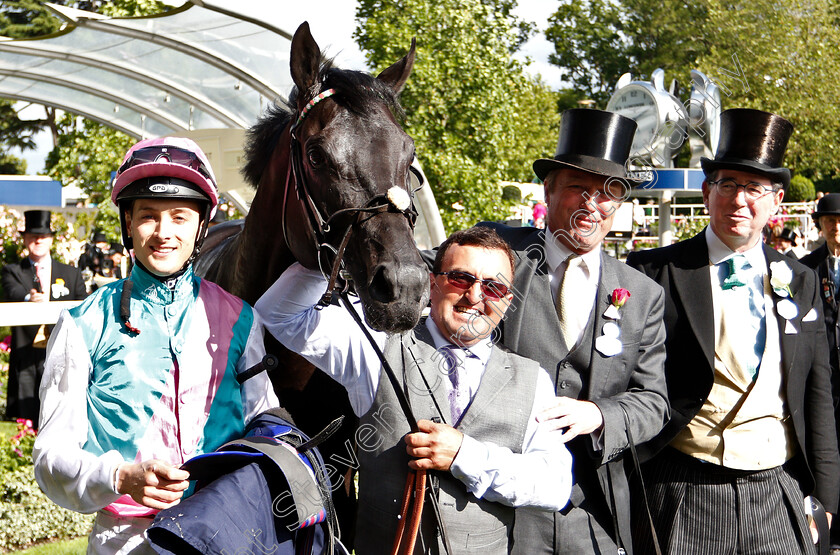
x=681, y=213
x=26, y=314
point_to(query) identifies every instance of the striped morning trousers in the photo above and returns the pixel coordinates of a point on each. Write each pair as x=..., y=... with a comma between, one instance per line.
x=705, y=509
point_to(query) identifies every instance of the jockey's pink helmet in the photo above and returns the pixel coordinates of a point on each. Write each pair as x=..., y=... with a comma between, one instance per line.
x=166, y=157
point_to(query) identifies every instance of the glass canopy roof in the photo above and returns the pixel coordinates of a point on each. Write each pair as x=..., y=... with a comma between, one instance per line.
x=199, y=66
x=206, y=65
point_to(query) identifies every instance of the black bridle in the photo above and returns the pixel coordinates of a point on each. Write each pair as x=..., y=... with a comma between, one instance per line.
x=396, y=200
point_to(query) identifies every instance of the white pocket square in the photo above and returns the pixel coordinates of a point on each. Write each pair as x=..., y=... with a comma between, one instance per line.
x=811, y=316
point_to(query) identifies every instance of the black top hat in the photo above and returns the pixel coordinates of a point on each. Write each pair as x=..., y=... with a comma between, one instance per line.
x=752, y=141
x=99, y=237
x=37, y=221
x=829, y=204
x=789, y=234
x=593, y=141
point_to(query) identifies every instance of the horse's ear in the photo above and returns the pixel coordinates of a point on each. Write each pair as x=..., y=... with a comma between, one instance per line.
x=396, y=75
x=304, y=59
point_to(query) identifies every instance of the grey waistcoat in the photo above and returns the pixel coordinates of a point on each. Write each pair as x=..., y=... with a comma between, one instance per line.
x=498, y=413
x=572, y=378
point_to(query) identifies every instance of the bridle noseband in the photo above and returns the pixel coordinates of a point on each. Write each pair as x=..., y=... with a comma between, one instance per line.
x=396, y=200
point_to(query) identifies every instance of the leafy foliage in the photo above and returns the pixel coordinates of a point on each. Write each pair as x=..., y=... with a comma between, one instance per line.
x=801, y=189
x=86, y=154
x=787, y=51
x=22, y=19
x=475, y=116
x=26, y=513
x=596, y=41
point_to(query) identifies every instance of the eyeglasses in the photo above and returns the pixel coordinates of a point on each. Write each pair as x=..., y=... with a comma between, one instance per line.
x=729, y=188
x=173, y=154
x=491, y=288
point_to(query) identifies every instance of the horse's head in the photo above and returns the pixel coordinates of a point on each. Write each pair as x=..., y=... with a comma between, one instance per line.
x=352, y=154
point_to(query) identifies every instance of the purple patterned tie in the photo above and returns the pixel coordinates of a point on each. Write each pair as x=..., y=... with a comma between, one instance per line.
x=459, y=395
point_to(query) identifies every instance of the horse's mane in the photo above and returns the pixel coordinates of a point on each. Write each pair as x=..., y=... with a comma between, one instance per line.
x=356, y=91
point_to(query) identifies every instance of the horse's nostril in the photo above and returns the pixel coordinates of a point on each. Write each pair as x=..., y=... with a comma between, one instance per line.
x=382, y=289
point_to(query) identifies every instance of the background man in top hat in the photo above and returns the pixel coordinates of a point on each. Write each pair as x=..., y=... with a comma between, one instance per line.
x=826, y=261
x=606, y=362
x=752, y=427
x=36, y=278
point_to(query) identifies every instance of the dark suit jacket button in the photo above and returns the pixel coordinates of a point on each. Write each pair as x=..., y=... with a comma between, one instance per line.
x=564, y=384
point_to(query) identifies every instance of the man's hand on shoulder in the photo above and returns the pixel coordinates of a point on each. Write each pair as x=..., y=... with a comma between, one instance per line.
x=573, y=416
x=152, y=483
x=434, y=447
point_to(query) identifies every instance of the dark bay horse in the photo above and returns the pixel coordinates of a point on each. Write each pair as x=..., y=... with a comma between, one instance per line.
x=352, y=151
x=334, y=148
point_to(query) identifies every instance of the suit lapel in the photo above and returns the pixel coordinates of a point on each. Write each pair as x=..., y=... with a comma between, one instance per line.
x=826, y=280
x=801, y=298
x=600, y=366
x=28, y=272
x=532, y=295
x=693, y=284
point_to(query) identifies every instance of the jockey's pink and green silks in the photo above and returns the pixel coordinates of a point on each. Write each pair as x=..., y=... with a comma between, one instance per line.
x=169, y=392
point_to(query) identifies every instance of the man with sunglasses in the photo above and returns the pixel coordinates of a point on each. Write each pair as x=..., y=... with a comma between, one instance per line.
x=475, y=402
x=142, y=376
x=603, y=349
x=752, y=428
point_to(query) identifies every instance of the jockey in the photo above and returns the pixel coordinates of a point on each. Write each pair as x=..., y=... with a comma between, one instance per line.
x=142, y=375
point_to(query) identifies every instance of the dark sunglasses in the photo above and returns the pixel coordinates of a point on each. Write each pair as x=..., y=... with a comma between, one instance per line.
x=491, y=288
x=175, y=155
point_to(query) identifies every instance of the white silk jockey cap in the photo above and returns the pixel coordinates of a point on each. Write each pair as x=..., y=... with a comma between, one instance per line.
x=178, y=157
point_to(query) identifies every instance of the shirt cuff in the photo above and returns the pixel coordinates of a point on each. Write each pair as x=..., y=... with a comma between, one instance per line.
x=598, y=439
x=470, y=462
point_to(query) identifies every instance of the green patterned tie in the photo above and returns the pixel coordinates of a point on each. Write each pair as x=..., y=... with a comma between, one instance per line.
x=736, y=266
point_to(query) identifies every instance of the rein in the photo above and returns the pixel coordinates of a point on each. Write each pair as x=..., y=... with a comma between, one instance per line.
x=395, y=200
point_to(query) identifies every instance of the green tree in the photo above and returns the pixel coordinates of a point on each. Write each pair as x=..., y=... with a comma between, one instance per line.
x=11, y=164
x=801, y=189
x=86, y=154
x=476, y=117
x=21, y=19
x=787, y=54
x=596, y=41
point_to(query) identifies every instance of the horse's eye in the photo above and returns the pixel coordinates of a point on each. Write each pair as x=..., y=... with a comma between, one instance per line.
x=316, y=157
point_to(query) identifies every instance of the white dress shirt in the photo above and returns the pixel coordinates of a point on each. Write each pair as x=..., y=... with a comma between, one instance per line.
x=556, y=258
x=757, y=282
x=330, y=339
